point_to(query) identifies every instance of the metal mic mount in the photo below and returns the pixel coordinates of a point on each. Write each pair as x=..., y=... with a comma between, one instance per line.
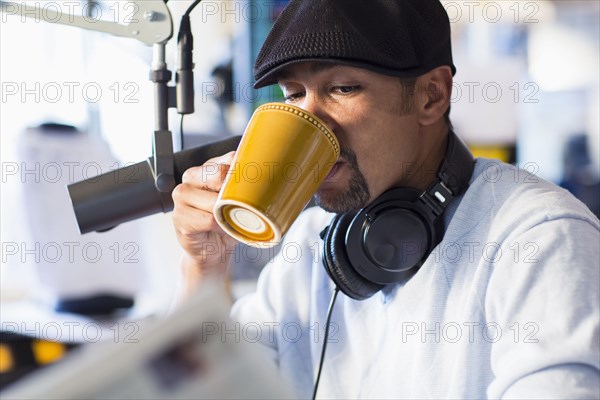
x=180, y=96
x=162, y=141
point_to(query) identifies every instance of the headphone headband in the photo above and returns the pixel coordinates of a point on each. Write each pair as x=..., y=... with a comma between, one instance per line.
x=457, y=167
x=453, y=175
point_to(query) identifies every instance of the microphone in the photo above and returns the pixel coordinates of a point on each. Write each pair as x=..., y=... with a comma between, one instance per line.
x=184, y=79
x=125, y=194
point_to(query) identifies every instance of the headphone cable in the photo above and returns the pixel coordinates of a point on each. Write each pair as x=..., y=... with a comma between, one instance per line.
x=190, y=8
x=327, y=325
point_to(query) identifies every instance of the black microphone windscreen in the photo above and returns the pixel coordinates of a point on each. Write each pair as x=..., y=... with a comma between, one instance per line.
x=130, y=193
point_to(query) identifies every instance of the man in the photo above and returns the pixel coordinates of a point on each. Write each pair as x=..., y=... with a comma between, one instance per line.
x=506, y=306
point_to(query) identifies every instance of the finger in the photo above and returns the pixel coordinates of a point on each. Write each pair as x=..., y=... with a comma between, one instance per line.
x=211, y=175
x=224, y=159
x=195, y=197
x=190, y=221
x=195, y=227
x=207, y=177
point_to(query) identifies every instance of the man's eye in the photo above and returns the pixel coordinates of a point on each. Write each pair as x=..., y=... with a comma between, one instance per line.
x=345, y=89
x=293, y=96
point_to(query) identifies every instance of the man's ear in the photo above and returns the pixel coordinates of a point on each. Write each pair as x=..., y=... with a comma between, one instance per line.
x=435, y=90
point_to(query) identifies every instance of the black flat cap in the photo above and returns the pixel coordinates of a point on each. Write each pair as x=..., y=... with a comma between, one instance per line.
x=404, y=38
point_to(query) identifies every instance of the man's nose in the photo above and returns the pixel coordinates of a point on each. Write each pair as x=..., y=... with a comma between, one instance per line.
x=316, y=105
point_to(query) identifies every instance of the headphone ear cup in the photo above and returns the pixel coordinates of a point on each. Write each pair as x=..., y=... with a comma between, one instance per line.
x=338, y=265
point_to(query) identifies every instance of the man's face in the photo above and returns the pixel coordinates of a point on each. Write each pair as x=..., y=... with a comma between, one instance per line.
x=371, y=116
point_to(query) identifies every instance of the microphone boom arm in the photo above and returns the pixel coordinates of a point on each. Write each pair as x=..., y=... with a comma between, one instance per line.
x=150, y=23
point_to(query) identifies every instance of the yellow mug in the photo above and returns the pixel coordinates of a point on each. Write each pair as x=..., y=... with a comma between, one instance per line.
x=284, y=156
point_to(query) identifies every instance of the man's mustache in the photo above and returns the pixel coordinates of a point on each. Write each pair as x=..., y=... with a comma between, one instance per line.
x=349, y=156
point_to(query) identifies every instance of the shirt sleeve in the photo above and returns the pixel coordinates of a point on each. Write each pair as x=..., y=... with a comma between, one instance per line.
x=543, y=305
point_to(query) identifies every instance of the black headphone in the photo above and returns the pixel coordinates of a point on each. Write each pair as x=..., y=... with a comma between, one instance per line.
x=387, y=241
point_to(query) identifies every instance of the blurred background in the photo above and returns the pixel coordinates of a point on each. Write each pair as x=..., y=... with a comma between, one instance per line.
x=75, y=103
